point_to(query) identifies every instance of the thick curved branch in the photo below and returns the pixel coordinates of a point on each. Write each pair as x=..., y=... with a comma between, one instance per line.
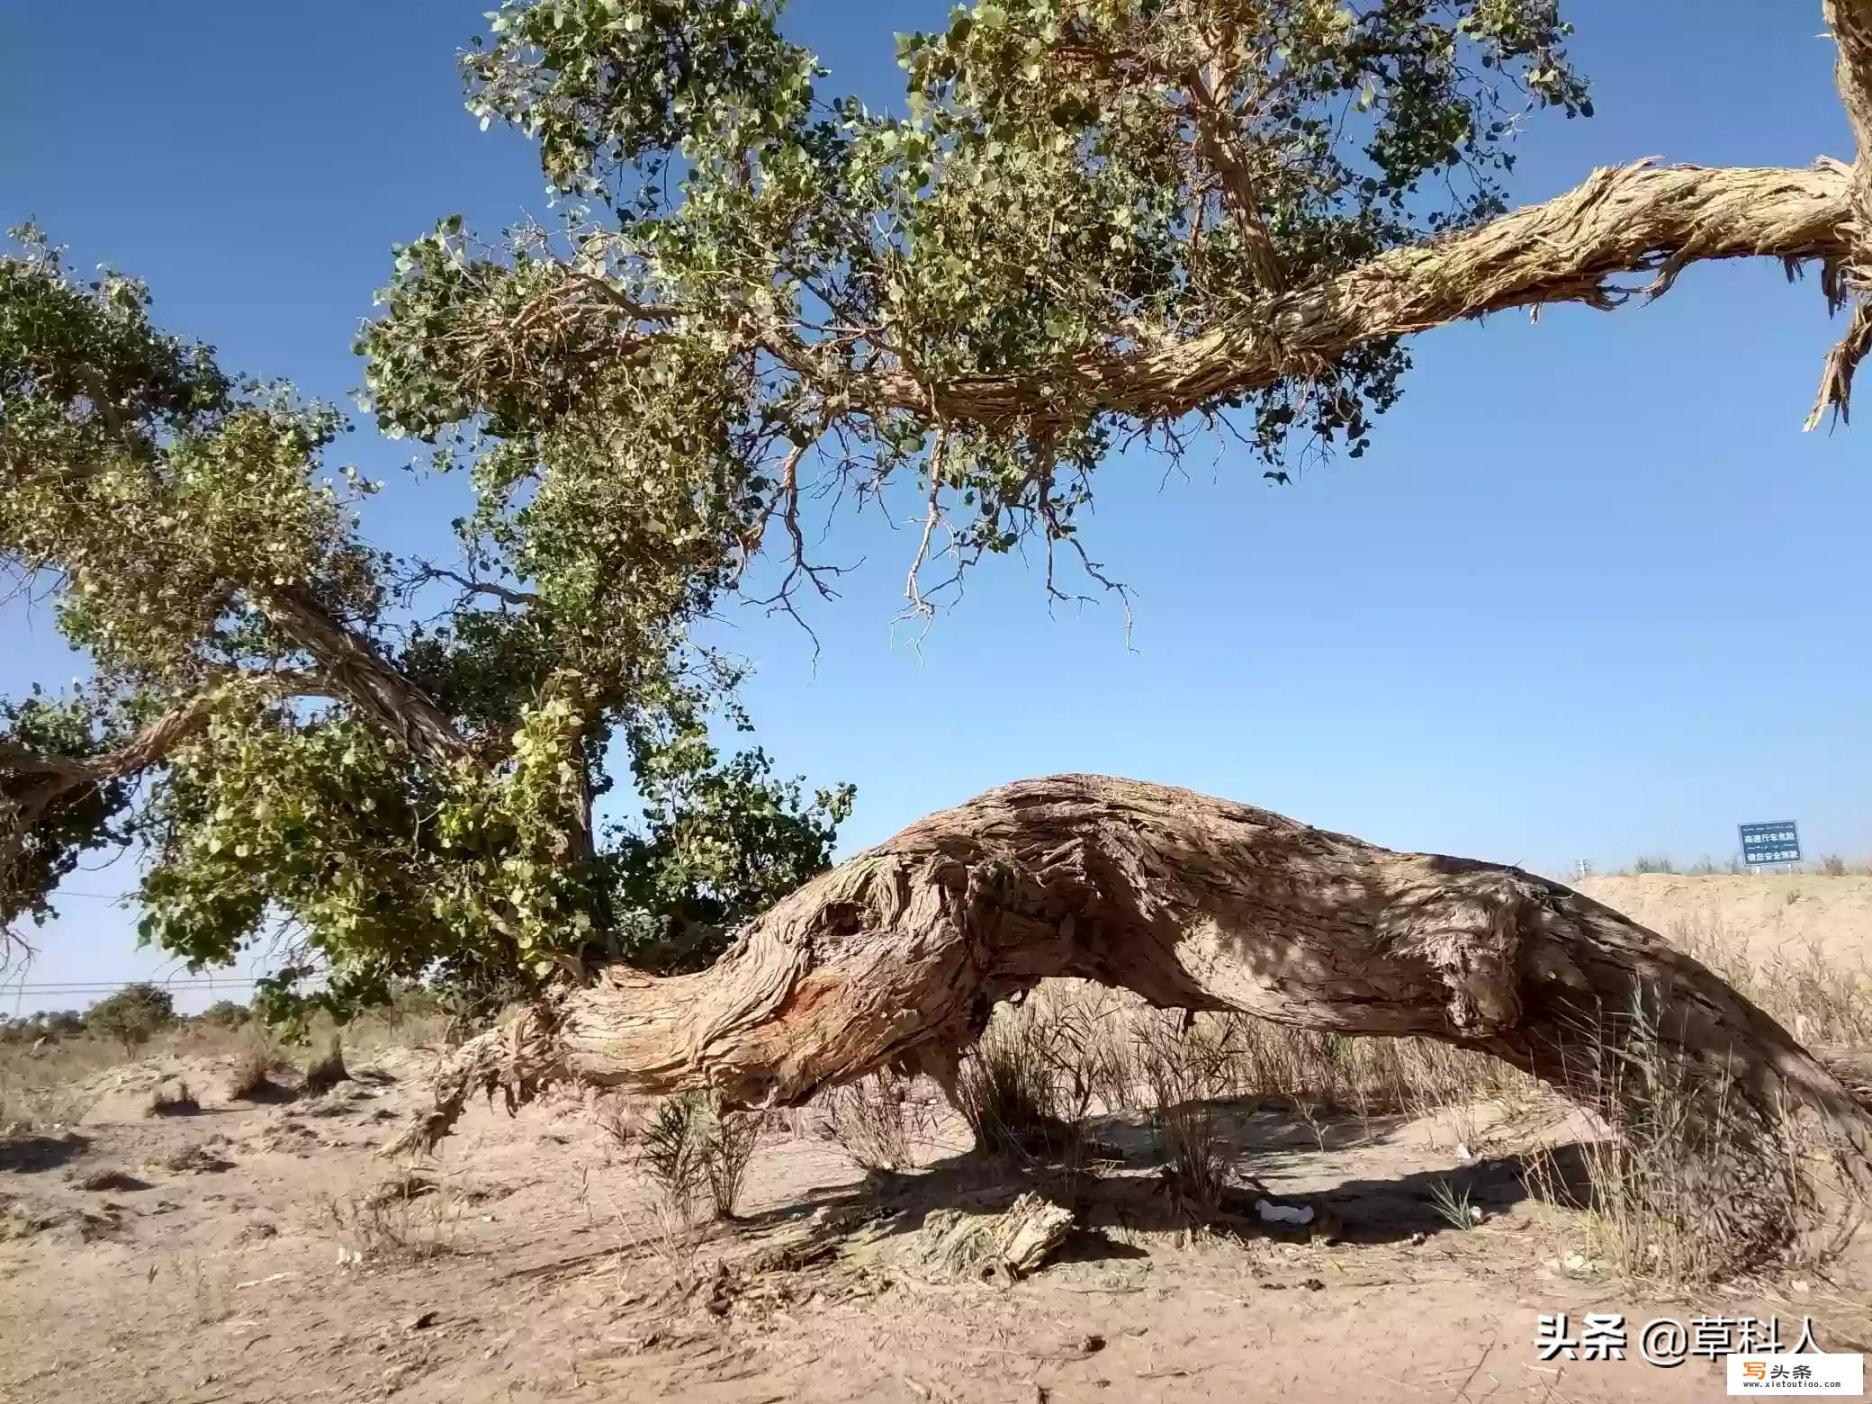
x=899, y=955
x=1218, y=140
x=53, y=775
x=356, y=672
x=1620, y=221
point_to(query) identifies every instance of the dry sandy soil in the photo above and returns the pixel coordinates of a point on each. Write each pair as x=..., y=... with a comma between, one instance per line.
x=231, y=1255
x=1772, y=915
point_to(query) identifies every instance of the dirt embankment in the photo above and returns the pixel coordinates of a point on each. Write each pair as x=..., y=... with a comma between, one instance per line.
x=1767, y=915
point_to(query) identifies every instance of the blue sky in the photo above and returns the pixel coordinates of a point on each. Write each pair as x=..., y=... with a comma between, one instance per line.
x=1591, y=593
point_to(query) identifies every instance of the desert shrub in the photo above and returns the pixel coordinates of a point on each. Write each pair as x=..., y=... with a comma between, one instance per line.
x=406, y=1219
x=173, y=1097
x=224, y=1014
x=1454, y=1205
x=132, y=1016
x=730, y=1144
x=1651, y=1184
x=868, y=1121
x=250, y=1071
x=1005, y=1087
x=689, y=1145
x=670, y=1148
x=325, y=1073
x=1186, y=1066
x=1652, y=863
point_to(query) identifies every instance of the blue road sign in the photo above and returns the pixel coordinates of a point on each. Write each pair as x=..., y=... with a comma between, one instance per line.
x=1770, y=843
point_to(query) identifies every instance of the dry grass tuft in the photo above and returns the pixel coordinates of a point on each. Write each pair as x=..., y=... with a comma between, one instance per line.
x=1027, y=1082
x=250, y=1072
x=409, y=1218
x=173, y=1097
x=325, y=1073
x=620, y=1119
x=731, y=1142
x=1187, y=1067
x=869, y=1122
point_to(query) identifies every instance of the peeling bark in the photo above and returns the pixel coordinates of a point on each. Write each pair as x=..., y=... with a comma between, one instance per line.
x=1849, y=279
x=899, y=955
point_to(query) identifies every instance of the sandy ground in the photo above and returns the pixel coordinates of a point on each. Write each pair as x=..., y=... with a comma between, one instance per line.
x=213, y=1257
x=231, y=1255
x=1771, y=914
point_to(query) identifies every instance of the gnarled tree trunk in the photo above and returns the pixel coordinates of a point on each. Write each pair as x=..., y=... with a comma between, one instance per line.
x=899, y=955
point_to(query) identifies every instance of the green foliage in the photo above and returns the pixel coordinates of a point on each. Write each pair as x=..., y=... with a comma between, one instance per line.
x=132, y=1016
x=41, y=856
x=194, y=544
x=225, y=1014
x=770, y=272
x=749, y=295
x=209, y=485
x=718, y=842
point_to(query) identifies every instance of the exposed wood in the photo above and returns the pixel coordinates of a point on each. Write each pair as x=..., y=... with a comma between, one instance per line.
x=1849, y=279
x=898, y=956
x=953, y=1246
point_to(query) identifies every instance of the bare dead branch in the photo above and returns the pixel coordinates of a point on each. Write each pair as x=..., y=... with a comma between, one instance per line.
x=1850, y=278
x=425, y=572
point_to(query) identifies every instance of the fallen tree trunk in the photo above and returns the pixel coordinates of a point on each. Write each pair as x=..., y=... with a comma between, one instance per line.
x=899, y=955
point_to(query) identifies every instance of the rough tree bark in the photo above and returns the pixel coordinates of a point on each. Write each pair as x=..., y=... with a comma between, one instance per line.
x=1621, y=220
x=355, y=670
x=899, y=955
x=1849, y=280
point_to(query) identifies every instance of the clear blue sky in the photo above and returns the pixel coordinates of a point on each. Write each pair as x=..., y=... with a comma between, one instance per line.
x=1591, y=593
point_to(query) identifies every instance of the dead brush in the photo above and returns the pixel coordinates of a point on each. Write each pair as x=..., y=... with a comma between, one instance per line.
x=28, y=1109
x=621, y=1121
x=172, y=1097
x=1822, y=999
x=251, y=1069
x=869, y=1123
x=1368, y=1076
x=1006, y=1089
x=1187, y=1065
x=325, y=1073
x=1681, y=1148
x=410, y=1218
